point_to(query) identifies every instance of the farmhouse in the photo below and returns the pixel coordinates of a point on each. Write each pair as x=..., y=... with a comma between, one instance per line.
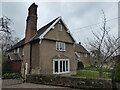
x=47, y=51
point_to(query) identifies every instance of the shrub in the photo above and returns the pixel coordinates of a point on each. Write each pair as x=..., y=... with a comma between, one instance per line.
x=11, y=75
x=6, y=65
x=117, y=72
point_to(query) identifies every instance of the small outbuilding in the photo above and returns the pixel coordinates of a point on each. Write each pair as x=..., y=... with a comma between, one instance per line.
x=16, y=62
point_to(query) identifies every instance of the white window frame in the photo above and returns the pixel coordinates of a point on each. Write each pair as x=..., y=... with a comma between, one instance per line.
x=62, y=66
x=17, y=50
x=59, y=27
x=59, y=48
x=23, y=51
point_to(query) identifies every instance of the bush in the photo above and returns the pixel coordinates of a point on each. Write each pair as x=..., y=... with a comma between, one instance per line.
x=11, y=75
x=117, y=72
x=6, y=65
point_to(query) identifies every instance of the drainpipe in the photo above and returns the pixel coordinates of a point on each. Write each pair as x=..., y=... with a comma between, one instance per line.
x=30, y=58
x=26, y=70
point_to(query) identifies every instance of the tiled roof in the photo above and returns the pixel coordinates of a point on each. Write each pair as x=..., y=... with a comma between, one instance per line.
x=39, y=32
x=79, y=48
x=14, y=56
x=43, y=29
x=19, y=44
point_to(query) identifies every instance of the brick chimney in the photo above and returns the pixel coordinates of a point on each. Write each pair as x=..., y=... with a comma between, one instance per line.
x=31, y=22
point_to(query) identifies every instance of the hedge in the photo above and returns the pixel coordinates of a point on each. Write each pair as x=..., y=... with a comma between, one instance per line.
x=117, y=72
x=11, y=75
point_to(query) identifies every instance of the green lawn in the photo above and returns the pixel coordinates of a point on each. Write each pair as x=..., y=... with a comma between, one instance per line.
x=95, y=69
x=91, y=74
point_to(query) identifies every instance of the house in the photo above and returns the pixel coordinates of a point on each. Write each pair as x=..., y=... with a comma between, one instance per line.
x=47, y=51
x=114, y=60
x=82, y=56
x=94, y=56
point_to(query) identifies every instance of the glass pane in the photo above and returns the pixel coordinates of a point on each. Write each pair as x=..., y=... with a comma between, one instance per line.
x=66, y=65
x=56, y=66
x=60, y=46
x=59, y=27
x=60, y=66
x=63, y=66
x=63, y=46
x=57, y=46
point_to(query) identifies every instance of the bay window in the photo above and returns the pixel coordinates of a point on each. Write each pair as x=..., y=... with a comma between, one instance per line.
x=61, y=66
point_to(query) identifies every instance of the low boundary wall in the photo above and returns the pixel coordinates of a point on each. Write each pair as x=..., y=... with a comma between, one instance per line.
x=8, y=82
x=70, y=81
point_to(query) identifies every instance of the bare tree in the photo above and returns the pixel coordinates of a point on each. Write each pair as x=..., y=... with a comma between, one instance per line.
x=5, y=23
x=6, y=34
x=104, y=46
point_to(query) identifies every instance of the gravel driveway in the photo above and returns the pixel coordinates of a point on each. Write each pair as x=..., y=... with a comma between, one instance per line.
x=31, y=86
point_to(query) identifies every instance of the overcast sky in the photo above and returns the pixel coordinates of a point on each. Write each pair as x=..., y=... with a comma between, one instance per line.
x=74, y=14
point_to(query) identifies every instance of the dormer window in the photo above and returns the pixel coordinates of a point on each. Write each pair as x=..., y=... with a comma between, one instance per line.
x=59, y=27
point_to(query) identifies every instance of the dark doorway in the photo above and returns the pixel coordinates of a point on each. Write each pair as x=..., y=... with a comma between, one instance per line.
x=80, y=65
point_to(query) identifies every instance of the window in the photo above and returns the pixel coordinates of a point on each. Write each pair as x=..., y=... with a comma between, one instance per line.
x=14, y=51
x=86, y=55
x=59, y=27
x=61, y=66
x=56, y=66
x=17, y=50
x=60, y=46
x=22, y=51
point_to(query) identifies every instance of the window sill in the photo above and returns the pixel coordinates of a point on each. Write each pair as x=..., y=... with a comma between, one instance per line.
x=62, y=72
x=61, y=50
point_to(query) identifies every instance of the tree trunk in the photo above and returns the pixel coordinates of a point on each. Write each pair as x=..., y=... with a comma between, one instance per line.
x=100, y=72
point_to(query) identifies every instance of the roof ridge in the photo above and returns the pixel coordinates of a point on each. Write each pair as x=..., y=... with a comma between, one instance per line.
x=80, y=48
x=49, y=22
x=43, y=29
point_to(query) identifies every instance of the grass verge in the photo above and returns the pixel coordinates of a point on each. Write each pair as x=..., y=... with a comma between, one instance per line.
x=91, y=74
x=95, y=69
